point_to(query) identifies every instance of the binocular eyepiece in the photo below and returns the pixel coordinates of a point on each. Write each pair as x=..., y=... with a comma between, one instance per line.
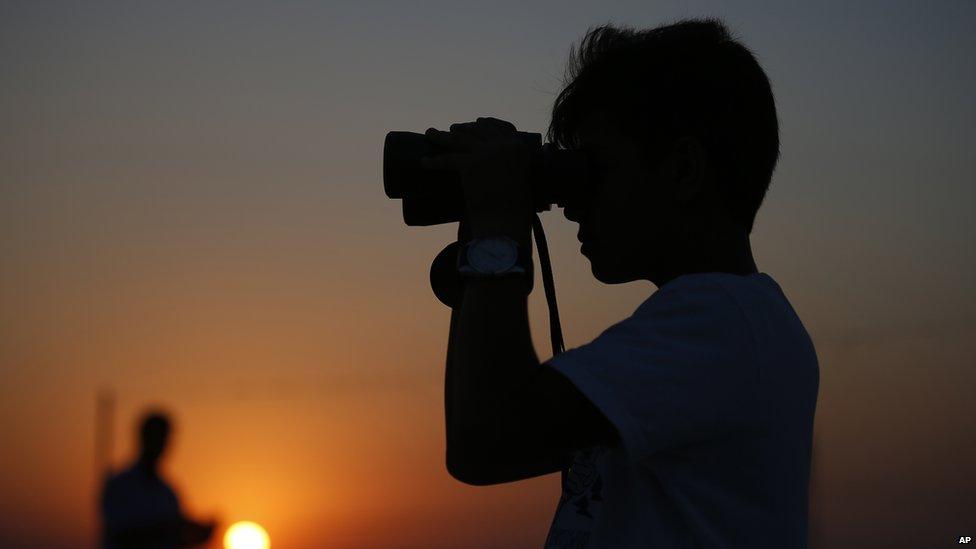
x=432, y=197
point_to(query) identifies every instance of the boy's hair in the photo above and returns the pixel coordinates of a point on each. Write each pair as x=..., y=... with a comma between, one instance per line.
x=689, y=78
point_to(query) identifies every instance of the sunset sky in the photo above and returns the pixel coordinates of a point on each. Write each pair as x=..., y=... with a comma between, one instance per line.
x=192, y=217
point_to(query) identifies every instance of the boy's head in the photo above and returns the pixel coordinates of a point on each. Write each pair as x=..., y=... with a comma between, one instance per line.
x=681, y=123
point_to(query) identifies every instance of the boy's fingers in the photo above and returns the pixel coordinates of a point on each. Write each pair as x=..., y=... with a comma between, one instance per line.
x=475, y=132
x=500, y=124
x=454, y=141
x=465, y=127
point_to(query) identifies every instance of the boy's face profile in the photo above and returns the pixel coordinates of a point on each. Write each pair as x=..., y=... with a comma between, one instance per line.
x=629, y=220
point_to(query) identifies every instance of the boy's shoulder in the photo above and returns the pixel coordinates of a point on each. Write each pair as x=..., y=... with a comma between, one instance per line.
x=706, y=292
x=713, y=290
x=714, y=307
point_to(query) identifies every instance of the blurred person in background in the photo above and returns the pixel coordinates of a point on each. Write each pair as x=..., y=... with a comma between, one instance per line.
x=139, y=509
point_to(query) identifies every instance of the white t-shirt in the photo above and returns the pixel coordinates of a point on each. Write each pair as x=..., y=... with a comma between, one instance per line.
x=712, y=384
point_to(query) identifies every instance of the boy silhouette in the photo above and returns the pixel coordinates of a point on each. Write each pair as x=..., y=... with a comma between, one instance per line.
x=689, y=423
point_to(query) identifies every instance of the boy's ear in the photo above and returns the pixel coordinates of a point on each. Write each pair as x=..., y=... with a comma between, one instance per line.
x=687, y=166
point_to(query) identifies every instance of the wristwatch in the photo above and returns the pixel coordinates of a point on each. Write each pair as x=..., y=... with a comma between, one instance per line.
x=493, y=256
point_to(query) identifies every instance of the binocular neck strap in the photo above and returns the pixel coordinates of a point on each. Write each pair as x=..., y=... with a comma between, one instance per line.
x=555, y=330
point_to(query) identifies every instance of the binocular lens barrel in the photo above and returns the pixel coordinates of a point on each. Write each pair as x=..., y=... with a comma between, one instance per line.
x=432, y=197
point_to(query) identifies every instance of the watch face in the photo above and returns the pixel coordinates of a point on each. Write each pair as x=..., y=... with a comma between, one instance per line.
x=493, y=255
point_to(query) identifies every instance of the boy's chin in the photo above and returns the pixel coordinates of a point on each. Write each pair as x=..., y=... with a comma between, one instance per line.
x=608, y=275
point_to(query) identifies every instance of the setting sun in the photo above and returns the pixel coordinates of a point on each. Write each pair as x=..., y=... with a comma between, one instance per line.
x=246, y=535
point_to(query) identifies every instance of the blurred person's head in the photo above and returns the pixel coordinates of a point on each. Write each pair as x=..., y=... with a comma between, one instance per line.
x=154, y=430
x=681, y=123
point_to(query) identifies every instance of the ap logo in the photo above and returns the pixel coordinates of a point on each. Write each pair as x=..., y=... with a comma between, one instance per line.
x=965, y=539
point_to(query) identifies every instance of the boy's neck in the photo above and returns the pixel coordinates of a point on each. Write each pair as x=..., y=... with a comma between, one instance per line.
x=148, y=465
x=728, y=255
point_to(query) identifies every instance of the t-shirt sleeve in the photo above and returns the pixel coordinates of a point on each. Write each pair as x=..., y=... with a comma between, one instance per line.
x=680, y=370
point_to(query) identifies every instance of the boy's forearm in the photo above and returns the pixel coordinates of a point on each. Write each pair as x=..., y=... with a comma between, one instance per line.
x=490, y=349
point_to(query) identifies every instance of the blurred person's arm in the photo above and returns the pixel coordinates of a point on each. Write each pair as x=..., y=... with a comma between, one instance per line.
x=196, y=533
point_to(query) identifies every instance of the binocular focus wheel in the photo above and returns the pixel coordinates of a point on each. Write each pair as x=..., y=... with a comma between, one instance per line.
x=444, y=278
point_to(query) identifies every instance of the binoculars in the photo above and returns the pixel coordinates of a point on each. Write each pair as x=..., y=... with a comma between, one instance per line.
x=432, y=197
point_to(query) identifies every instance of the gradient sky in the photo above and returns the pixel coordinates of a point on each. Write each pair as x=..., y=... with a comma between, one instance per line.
x=192, y=215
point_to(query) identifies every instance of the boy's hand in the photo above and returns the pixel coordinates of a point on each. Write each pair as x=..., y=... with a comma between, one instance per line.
x=494, y=167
